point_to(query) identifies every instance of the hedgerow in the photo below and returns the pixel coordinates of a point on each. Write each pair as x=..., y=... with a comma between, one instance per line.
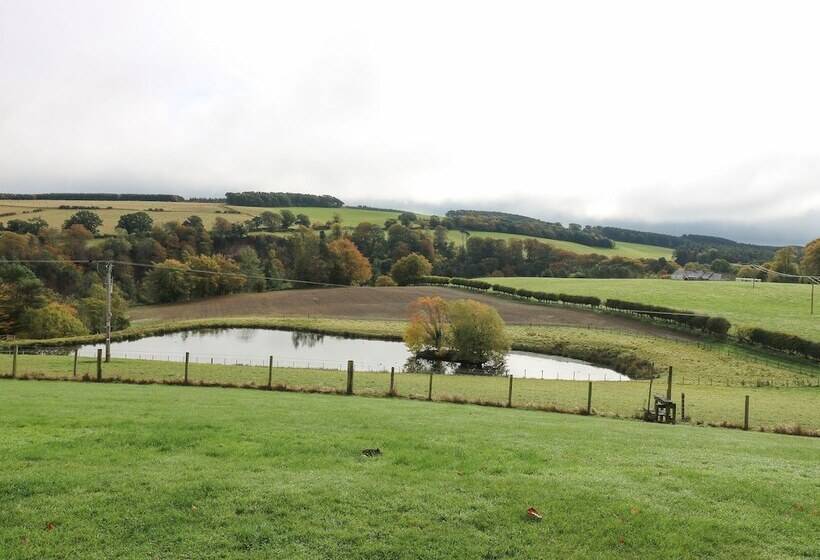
x=780, y=341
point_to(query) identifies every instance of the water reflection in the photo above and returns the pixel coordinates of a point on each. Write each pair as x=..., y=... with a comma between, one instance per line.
x=305, y=339
x=311, y=350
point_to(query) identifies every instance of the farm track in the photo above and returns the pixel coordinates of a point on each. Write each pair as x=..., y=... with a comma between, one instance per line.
x=386, y=304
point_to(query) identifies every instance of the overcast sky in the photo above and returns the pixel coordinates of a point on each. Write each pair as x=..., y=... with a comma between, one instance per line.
x=701, y=116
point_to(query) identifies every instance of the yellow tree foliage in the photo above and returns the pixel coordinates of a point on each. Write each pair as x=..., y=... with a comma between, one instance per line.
x=476, y=333
x=810, y=264
x=428, y=325
x=348, y=265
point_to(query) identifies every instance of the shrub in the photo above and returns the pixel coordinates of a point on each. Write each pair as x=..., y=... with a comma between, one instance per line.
x=438, y=280
x=55, y=320
x=780, y=341
x=410, y=269
x=384, y=281
x=468, y=283
x=718, y=325
x=504, y=289
x=580, y=300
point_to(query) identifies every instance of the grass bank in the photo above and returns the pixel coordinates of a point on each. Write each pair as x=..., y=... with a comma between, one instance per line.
x=773, y=306
x=772, y=408
x=114, y=471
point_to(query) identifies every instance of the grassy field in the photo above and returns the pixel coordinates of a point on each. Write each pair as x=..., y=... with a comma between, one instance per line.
x=116, y=471
x=174, y=211
x=779, y=307
x=621, y=249
x=177, y=211
x=707, y=400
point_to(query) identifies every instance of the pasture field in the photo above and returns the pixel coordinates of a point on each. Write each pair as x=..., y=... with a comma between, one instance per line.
x=123, y=471
x=772, y=306
x=178, y=211
x=621, y=249
x=707, y=401
x=174, y=211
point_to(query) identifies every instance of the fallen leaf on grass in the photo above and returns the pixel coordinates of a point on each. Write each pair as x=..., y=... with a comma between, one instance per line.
x=50, y=526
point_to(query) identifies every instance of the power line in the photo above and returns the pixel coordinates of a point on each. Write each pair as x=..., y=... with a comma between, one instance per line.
x=178, y=269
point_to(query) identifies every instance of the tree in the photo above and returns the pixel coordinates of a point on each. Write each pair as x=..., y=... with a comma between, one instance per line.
x=136, y=223
x=250, y=265
x=92, y=309
x=407, y=218
x=288, y=218
x=218, y=275
x=167, y=283
x=785, y=262
x=32, y=226
x=86, y=218
x=810, y=264
x=303, y=220
x=348, y=265
x=428, y=326
x=721, y=265
x=55, y=320
x=271, y=221
x=409, y=269
x=476, y=333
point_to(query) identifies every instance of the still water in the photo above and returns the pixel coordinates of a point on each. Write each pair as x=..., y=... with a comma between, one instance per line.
x=301, y=349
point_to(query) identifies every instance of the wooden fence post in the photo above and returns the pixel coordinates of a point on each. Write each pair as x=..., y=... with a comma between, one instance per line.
x=430, y=388
x=76, y=351
x=14, y=362
x=392, y=381
x=683, y=407
x=270, y=373
x=187, y=358
x=669, y=385
x=349, y=389
x=589, y=399
x=746, y=414
x=509, y=393
x=649, y=399
x=99, y=364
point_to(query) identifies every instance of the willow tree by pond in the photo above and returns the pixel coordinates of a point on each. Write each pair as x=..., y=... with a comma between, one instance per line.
x=462, y=330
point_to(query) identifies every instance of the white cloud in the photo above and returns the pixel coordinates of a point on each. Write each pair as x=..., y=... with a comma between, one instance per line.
x=637, y=111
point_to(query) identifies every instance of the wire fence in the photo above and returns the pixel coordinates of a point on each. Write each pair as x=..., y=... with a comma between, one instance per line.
x=701, y=400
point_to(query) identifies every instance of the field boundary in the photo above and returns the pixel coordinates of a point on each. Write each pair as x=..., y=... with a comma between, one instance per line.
x=787, y=429
x=645, y=317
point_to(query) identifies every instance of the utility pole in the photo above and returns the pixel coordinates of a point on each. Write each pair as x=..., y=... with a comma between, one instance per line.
x=109, y=287
x=812, y=298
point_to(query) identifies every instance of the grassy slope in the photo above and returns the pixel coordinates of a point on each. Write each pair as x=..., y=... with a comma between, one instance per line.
x=706, y=402
x=178, y=211
x=134, y=472
x=621, y=249
x=175, y=211
x=782, y=307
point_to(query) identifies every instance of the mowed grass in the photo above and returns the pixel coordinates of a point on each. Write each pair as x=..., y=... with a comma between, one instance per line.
x=621, y=249
x=176, y=211
x=708, y=401
x=773, y=306
x=116, y=471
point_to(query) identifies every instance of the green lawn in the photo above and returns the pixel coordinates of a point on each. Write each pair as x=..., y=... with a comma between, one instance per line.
x=116, y=471
x=621, y=249
x=779, y=307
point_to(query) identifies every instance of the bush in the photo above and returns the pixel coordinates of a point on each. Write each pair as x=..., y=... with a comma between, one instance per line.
x=580, y=300
x=781, y=341
x=504, y=289
x=409, y=269
x=55, y=320
x=467, y=283
x=438, y=280
x=718, y=325
x=384, y=281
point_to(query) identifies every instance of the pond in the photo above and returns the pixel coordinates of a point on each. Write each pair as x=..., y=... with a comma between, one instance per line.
x=310, y=350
